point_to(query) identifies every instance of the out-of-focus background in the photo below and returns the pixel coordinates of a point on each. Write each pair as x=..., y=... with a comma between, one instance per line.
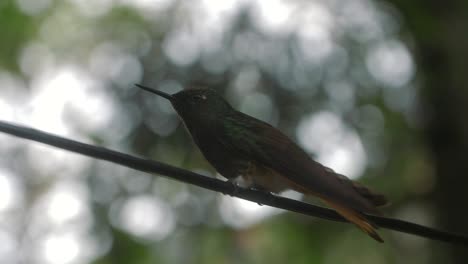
x=374, y=89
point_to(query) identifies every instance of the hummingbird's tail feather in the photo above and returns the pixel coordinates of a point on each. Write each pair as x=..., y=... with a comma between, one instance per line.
x=375, y=198
x=356, y=218
x=352, y=215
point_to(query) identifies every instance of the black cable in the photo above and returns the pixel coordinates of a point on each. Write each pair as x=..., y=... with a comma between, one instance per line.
x=219, y=185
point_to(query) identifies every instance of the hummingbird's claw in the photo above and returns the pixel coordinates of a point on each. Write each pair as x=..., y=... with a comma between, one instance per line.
x=260, y=189
x=264, y=191
x=235, y=186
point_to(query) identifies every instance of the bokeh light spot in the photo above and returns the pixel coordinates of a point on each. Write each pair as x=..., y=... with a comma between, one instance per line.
x=336, y=145
x=182, y=47
x=65, y=203
x=390, y=63
x=147, y=217
x=9, y=190
x=60, y=249
x=240, y=213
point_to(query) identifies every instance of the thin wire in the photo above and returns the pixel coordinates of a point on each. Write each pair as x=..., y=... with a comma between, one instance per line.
x=224, y=187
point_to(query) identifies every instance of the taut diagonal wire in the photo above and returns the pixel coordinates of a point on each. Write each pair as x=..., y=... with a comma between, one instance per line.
x=219, y=185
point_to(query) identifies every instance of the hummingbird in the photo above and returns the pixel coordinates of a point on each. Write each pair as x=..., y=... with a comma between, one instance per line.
x=240, y=146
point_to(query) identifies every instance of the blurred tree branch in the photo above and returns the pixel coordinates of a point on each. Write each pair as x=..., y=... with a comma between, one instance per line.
x=219, y=185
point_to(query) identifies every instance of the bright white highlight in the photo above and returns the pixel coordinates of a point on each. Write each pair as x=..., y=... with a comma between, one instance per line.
x=71, y=91
x=147, y=217
x=336, y=145
x=61, y=249
x=390, y=63
x=8, y=190
x=51, y=94
x=240, y=213
x=65, y=203
x=274, y=16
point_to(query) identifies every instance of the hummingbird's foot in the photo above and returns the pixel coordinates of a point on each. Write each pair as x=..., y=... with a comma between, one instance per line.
x=260, y=189
x=264, y=191
x=235, y=186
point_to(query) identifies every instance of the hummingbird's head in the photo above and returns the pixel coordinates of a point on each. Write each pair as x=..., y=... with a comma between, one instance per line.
x=196, y=104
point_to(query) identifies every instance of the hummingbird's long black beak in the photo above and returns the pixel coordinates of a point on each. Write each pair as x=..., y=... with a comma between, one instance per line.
x=162, y=94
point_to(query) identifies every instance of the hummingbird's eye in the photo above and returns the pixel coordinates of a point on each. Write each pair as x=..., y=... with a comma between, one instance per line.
x=199, y=97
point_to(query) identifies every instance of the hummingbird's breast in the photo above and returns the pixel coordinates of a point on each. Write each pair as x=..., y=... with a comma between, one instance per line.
x=226, y=162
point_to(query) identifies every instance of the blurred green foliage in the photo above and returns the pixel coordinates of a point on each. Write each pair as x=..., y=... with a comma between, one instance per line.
x=16, y=29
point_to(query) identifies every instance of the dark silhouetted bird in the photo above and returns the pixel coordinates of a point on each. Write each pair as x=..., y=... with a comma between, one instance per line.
x=238, y=145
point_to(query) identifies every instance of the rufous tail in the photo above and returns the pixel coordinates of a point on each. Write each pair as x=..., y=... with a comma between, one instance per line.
x=356, y=218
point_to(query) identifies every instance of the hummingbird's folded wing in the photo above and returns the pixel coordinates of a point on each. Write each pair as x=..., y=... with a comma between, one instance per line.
x=269, y=147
